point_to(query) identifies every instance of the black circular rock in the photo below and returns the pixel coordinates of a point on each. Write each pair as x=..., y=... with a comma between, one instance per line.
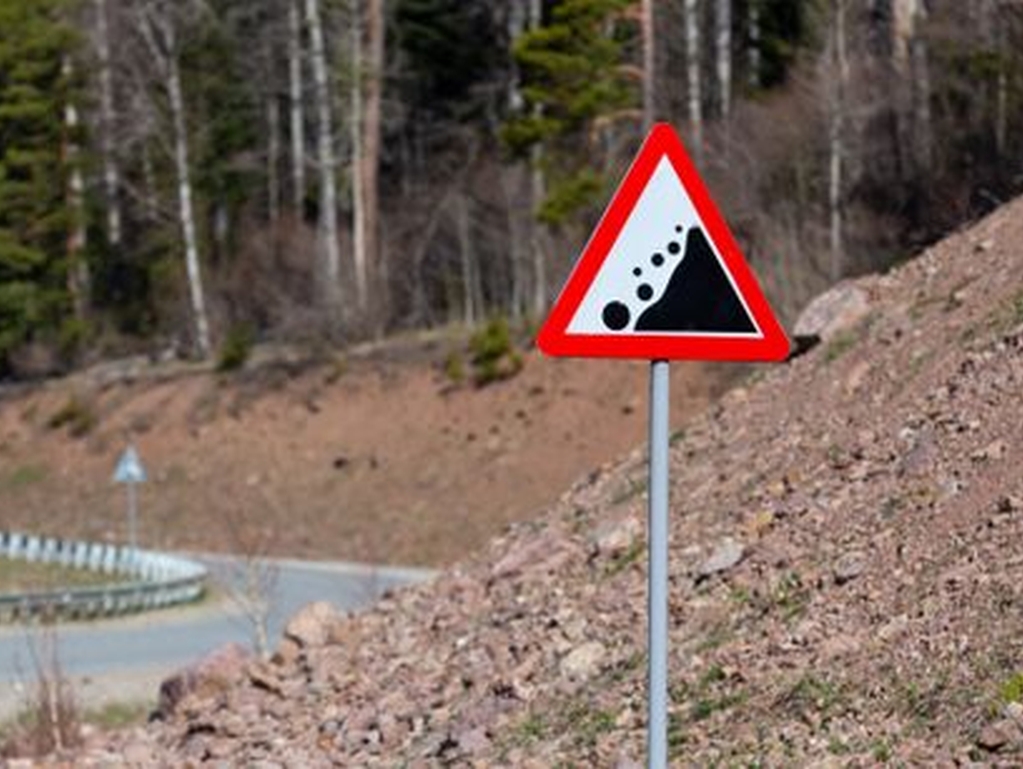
x=616, y=316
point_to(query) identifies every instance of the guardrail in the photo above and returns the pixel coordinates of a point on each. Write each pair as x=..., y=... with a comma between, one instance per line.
x=154, y=580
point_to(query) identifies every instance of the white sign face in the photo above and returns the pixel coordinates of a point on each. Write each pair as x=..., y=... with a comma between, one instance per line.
x=129, y=468
x=663, y=229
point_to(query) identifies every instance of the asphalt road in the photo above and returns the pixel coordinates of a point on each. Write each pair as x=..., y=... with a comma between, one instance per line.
x=124, y=659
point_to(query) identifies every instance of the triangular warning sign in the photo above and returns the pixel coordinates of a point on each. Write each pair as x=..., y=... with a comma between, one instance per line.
x=662, y=277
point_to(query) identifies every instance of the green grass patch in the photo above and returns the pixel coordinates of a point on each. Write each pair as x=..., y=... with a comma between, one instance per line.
x=77, y=415
x=840, y=344
x=494, y=356
x=118, y=715
x=18, y=576
x=23, y=477
x=1011, y=690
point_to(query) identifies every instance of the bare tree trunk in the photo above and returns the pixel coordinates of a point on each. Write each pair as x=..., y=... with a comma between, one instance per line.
x=358, y=148
x=328, y=229
x=723, y=22
x=538, y=192
x=468, y=261
x=910, y=62
x=372, y=139
x=78, y=281
x=1001, y=90
x=649, y=63
x=753, y=49
x=836, y=137
x=923, y=130
x=295, y=94
x=111, y=176
x=693, y=97
x=177, y=105
x=273, y=158
x=514, y=179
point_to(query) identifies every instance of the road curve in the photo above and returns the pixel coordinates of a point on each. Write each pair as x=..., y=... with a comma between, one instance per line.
x=124, y=659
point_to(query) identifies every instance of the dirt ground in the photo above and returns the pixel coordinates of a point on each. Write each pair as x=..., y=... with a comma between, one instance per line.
x=376, y=455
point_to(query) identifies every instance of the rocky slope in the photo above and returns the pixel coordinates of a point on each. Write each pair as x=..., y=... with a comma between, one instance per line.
x=846, y=565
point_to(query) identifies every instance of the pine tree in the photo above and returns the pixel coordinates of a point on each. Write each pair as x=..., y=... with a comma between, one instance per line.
x=34, y=212
x=573, y=71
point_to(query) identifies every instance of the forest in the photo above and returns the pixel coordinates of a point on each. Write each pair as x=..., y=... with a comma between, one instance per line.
x=177, y=174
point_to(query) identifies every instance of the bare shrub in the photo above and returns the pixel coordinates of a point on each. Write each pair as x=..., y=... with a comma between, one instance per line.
x=50, y=722
x=250, y=578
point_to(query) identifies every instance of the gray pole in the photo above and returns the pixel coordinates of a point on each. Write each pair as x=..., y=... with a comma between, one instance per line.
x=132, y=517
x=657, y=595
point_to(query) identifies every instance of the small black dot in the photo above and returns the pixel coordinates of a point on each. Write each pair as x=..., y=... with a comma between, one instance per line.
x=637, y=272
x=678, y=228
x=657, y=259
x=616, y=316
x=674, y=248
x=644, y=292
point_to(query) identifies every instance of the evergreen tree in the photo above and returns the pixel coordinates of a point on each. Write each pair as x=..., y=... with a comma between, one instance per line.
x=575, y=80
x=34, y=212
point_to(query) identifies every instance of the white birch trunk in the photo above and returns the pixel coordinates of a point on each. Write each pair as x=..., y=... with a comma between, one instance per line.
x=187, y=215
x=358, y=179
x=923, y=129
x=513, y=176
x=371, y=140
x=111, y=175
x=538, y=192
x=649, y=63
x=78, y=281
x=296, y=103
x=693, y=97
x=328, y=229
x=836, y=139
x=753, y=51
x=723, y=22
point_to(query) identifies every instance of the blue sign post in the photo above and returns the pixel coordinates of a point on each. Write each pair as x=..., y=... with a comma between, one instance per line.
x=130, y=472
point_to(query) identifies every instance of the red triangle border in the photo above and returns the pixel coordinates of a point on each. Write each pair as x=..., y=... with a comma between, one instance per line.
x=553, y=339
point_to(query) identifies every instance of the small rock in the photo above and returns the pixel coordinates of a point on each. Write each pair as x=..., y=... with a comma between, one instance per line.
x=726, y=556
x=313, y=624
x=474, y=742
x=996, y=736
x=216, y=672
x=615, y=539
x=584, y=661
x=837, y=309
x=1010, y=504
x=1014, y=712
x=993, y=451
x=849, y=567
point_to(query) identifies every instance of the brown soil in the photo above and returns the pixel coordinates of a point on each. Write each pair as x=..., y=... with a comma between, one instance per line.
x=377, y=456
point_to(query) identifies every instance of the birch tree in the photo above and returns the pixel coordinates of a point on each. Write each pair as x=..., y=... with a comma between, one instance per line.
x=837, y=91
x=910, y=62
x=328, y=216
x=647, y=32
x=78, y=281
x=368, y=73
x=157, y=22
x=107, y=123
x=723, y=54
x=694, y=99
x=296, y=102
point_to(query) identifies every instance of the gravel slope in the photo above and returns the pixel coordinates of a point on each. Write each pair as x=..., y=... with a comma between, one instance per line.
x=847, y=580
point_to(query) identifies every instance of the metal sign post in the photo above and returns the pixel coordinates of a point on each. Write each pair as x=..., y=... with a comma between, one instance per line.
x=133, y=537
x=657, y=587
x=130, y=472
